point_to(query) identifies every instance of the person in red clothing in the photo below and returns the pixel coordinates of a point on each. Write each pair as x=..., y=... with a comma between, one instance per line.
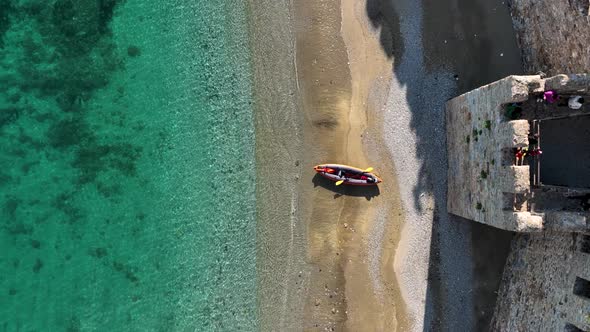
x=520, y=153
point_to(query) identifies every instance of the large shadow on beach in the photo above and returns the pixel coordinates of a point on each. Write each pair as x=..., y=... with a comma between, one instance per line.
x=367, y=192
x=440, y=49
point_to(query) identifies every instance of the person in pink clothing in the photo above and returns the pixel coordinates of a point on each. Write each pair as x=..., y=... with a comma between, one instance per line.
x=550, y=96
x=535, y=152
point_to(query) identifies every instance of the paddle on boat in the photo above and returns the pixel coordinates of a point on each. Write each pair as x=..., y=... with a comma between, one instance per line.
x=344, y=174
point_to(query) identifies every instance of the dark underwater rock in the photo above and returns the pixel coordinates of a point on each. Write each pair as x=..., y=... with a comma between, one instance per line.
x=38, y=265
x=98, y=252
x=133, y=51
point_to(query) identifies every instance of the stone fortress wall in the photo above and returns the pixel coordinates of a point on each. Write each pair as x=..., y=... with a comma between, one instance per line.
x=538, y=284
x=477, y=134
x=553, y=35
x=542, y=287
x=544, y=282
x=485, y=183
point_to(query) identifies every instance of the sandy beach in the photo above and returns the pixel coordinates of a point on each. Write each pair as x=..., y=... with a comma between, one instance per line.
x=334, y=261
x=364, y=83
x=351, y=232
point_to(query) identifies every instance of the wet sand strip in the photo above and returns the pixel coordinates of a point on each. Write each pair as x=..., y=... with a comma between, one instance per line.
x=352, y=285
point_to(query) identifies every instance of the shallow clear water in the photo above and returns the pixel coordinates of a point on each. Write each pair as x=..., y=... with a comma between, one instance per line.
x=127, y=167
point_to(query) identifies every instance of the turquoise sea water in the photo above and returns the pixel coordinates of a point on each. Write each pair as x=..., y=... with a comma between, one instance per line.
x=127, y=168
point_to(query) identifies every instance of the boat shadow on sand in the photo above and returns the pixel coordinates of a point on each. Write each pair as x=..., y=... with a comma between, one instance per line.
x=367, y=192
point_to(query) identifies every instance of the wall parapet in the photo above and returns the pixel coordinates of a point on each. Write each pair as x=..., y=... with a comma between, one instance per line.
x=484, y=182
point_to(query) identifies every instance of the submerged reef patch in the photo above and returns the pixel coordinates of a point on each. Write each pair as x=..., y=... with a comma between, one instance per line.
x=5, y=12
x=10, y=206
x=91, y=159
x=38, y=265
x=68, y=132
x=73, y=325
x=127, y=271
x=9, y=115
x=36, y=244
x=64, y=202
x=98, y=252
x=56, y=56
x=133, y=51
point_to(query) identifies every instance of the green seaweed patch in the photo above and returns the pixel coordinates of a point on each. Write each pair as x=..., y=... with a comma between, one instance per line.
x=127, y=271
x=26, y=167
x=18, y=152
x=133, y=51
x=484, y=174
x=478, y=206
x=480, y=132
x=75, y=54
x=38, y=265
x=136, y=230
x=12, y=291
x=467, y=139
x=73, y=325
x=80, y=24
x=11, y=206
x=488, y=125
x=108, y=190
x=9, y=115
x=6, y=10
x=69, y=132
x=36, y=144
x=65, y=203
x=36, y=244
x=19, y=228
x=4, y=179
x=93, y=159
x=106, y=11
x=493, y=162
x=98, y=252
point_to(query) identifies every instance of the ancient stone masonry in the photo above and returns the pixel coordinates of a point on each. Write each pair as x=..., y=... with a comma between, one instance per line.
x=546, y=282
x=552, y=34
x=485, y=181
x=544, y=288
x=479, y=175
